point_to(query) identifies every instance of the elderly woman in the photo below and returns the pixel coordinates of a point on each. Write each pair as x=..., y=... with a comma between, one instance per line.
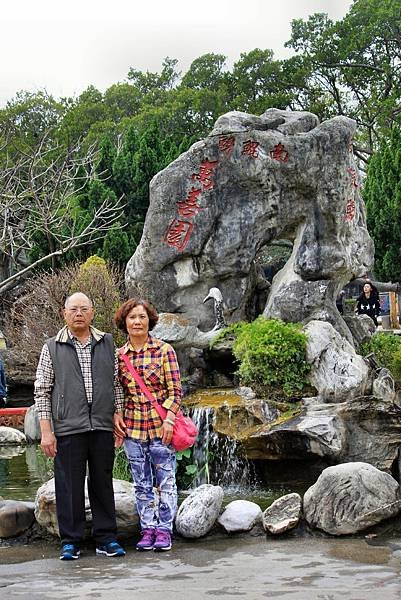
x=147, y=438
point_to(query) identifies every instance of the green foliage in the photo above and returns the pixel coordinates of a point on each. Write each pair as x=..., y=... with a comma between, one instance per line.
x=352, y=66
x=272, y=356
x=396, y=365
x=382, y=194
x=100, y=283
x=186, y=469
x=116, y=246
x=121, y=468
x=387, y=351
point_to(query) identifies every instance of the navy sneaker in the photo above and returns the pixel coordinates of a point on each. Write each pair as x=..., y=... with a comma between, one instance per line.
x=69, y=552
x=111, y=549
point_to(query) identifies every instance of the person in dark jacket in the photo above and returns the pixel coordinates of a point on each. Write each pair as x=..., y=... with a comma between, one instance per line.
x=3, y=385
x=77, y=394
x=368, y=303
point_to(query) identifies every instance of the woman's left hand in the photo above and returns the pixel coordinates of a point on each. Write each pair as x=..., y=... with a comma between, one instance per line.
x=167, y=433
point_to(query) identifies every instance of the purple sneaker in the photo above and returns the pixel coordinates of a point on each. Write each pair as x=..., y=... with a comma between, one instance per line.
x=147, y=540
x=162, y=541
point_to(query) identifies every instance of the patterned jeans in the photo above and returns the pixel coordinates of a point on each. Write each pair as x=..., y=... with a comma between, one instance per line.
x=153, y=464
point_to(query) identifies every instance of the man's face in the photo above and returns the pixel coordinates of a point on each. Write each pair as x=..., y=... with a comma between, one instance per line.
x=78, y=314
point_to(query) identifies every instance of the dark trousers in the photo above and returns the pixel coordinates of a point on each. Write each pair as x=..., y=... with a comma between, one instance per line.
x=74, y=452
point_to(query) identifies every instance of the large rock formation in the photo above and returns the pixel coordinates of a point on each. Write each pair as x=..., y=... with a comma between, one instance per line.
x=251, y=181
x=367, y=428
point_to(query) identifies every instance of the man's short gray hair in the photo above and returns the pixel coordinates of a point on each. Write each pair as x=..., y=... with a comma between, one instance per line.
x=67, y=300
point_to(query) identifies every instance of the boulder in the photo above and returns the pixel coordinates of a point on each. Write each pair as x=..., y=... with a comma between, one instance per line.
x=198, y=513
x=178, y=331
x=9, y=451
x=361, y=327
x=372, y=432
x=315, y=431
x=127, y=517
x=278, y=175
x=32, y=425
x=351, y=497
x=240, y=515
x=383, y=386
x=15, y=517
x=8, y=435
x=283, y=514
x=338, y=373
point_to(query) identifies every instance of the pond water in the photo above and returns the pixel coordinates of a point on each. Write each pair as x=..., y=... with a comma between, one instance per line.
x=23, y=469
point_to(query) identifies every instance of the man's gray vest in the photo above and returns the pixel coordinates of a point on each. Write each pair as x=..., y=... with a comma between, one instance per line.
x=71, y=412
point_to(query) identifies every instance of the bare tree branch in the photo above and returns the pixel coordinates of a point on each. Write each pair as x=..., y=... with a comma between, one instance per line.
x=38, y=191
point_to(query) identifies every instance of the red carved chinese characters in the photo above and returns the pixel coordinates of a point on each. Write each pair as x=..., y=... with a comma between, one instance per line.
x=354, y=177
x=350, y=210
x=205, y=175
x=279, y=153
x=179, y=231
x=226, y=144
x=189, y=207
x=177, y=234
x=250, y=148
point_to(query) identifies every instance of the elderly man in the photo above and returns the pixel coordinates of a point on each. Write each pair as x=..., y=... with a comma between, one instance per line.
x=76, y=401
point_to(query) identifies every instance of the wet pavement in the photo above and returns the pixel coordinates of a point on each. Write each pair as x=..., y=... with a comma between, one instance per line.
x=229, y=567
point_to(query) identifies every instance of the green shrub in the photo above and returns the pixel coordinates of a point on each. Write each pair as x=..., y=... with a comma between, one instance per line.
x=387, y=351
x=271, y=355
x=121, y=468
x=383, y=346
x=186, y=469
x=396, y=365
x=100, y=282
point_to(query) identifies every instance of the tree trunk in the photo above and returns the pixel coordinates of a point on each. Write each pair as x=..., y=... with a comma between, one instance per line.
x=380, y=285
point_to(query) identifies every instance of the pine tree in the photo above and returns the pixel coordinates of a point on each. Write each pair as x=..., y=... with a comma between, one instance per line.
x=382, y=194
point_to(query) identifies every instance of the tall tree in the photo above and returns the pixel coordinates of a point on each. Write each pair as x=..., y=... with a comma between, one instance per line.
x=382, y=194
x=257, y=83
x=355, y=63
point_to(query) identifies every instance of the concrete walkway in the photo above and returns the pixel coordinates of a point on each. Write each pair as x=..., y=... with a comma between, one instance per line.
x=247, y=567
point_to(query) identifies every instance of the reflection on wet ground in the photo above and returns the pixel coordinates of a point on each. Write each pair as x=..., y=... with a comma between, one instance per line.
x=247, y=566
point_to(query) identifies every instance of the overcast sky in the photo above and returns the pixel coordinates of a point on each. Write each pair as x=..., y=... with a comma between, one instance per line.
x=65, y=46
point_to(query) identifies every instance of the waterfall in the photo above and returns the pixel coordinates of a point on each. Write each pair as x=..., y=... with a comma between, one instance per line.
x=218, y=458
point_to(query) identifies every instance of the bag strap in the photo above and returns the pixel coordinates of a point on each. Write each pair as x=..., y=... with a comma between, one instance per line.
x=141, y=383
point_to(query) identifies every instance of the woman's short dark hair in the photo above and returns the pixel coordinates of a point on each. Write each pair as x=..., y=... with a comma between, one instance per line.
x=125, y=309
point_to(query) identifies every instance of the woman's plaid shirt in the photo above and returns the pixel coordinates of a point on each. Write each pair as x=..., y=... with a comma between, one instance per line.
x=157, y=364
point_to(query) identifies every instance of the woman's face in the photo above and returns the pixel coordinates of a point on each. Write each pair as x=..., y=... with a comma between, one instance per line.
x=137, y=322
x=367, y=288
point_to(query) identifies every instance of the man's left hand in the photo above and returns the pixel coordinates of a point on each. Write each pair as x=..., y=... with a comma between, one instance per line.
x=119, y=425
